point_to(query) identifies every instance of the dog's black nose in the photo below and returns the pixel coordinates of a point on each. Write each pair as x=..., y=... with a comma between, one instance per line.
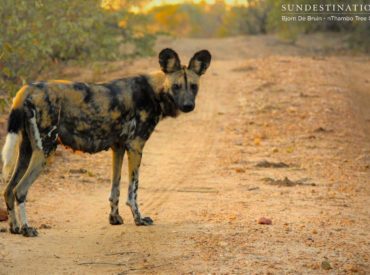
x=187, y=108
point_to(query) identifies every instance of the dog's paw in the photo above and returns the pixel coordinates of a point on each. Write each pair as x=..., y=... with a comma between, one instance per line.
x=27, y=231
x=14, y=229
x=144, y=221
x=115, y=219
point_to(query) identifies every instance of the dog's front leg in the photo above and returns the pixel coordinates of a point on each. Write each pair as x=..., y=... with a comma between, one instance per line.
x=134, y=151
x=114, y=217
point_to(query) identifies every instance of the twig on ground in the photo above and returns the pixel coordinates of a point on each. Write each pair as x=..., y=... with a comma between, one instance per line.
x=142, y=268
x=101, y=263
x=121, y=253
x=269, y=164
x=287, y=182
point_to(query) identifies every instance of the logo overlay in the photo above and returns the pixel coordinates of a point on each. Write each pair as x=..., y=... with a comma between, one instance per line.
x=343, y=12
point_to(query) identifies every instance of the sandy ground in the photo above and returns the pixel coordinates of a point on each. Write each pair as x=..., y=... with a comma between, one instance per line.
x=261, y=100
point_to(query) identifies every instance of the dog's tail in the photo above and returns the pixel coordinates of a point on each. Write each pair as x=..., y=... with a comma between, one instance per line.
x=13, y=138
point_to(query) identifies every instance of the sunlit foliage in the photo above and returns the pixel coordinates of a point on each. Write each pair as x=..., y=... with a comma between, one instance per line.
x=195, y=20
x=36, y=34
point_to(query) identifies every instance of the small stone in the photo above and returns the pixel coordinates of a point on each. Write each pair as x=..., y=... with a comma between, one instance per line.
x=325, y=265
x=292, y=110
x=264, y=220
x=222, y=243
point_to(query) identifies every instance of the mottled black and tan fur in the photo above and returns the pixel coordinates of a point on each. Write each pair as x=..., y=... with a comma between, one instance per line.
x=118, y=115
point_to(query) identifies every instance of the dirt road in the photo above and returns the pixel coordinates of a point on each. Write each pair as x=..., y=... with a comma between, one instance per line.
x=203, y=180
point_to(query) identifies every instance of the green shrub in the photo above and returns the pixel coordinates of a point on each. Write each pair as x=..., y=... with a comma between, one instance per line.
x=37, y=34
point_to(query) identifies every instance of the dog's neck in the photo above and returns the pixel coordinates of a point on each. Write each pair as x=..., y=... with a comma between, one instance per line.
x=158, y=82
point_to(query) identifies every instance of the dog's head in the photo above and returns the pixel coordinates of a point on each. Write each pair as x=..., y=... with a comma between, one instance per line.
x=182, y=83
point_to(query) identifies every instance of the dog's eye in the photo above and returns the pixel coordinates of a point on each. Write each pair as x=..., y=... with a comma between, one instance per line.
x=176, y=87
x=194, y=88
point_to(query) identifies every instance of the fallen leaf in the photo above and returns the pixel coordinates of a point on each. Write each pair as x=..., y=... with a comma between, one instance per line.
x=45, y=226
x=232, y=217
x=78, y=171
x=257, y=141
x=239, y=170
x=351, y=267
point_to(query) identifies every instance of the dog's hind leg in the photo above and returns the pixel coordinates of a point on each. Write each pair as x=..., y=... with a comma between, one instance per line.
x=24, y=157
x=134, y=153
x=114, y=217
x=35, y=166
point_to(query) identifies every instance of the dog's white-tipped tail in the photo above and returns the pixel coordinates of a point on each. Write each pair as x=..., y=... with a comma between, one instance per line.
x=14, y=136
x=9, y=155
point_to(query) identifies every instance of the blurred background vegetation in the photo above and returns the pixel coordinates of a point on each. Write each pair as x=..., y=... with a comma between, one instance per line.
x=37, y=36
x=200, y=19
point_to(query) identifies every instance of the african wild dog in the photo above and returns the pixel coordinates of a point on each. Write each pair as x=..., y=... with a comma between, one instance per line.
x=120, y=115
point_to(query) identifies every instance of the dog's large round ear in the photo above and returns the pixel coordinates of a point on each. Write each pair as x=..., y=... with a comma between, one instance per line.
x=169, y=61
x=200, y=62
